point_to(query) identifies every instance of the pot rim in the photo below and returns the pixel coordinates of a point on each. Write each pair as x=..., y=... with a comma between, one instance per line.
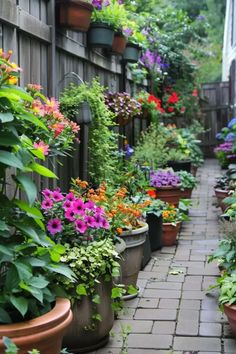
x=130, y=44
x=54, y=317
x=78, y=3
x=169, y=187
x=170, y=224
x=221, y=190
x=104, y=25
x=140, y=230
x=180, y=161
x=232, y=307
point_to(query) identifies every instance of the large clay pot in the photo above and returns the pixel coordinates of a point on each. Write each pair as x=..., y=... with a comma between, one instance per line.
x=221, y=195
x=155, y=231
x=169, y=194
x=119, y=43
x=100, y=35
x=43, y=333
x=74, y=14
x=180, y=165
x=131, y=258
x=170, y=233
x=80, y=337
x=230, y=311
x=186, y=193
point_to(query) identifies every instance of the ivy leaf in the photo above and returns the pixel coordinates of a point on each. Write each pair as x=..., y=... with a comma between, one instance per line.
x=96, y=299
x=81, y=290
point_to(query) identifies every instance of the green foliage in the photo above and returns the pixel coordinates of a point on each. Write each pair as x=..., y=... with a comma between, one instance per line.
x=227, y=284
x=103, y=141
x=187, y=180
x=114, y=15
x=225, y=255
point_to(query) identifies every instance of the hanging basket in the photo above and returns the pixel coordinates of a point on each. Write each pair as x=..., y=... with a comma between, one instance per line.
x=131, y=53
x=100, y=35
x=119, y=43
x=85, y=115
x=74, y=14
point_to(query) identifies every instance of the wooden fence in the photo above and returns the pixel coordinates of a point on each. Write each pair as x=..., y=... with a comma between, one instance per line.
x=216, y=113
x=47, y=53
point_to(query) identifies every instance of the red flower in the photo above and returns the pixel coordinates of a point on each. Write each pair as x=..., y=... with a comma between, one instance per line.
x=183, y=109
x=195, y=93
x=157, y=101
x=174, y=98
x=170, y=109
x=152, y=193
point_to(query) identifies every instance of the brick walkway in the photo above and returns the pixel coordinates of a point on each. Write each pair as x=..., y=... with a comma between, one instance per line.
x=173, y=313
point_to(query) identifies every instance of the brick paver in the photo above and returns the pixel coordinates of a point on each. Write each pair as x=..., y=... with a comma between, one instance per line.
x=174, y=314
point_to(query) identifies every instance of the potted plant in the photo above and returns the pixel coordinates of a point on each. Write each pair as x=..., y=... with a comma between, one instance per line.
x=81, y=226
x=172, y=219
x=119, y=43
x=224, y=154
x=136, y=40
x=74, y=14
x=30, y=313
x=222, y=190
x=151, y=106
x=107, y=18
x=167, y=184
x=188, y=182
x=123, y=106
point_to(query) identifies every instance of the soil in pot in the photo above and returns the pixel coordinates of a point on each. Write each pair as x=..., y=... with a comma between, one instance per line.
x=155, y=231
x=169, y=194
x=84, y=335
x=170, y=233
x=180, y=165
x=100, y=35
x=43, y=333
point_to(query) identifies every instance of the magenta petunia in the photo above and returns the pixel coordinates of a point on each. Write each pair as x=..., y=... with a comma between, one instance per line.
x=99, y=211
x=90, y=221
x=67, y=205
x=57, y=196
x=80, y=226
x=104, y=224
x=47, y=204
x=47, y=193
x=54, y=226
x=70, y=214
x=78, y=206
x=89, y=205
x=70, y=196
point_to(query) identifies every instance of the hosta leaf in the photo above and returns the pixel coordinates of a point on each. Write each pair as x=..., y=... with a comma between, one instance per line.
x=4, y=317
x=6, y=117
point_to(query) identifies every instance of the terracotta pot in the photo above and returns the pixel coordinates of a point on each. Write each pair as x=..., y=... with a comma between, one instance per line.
x=131, y=258
x=81, y=340
x=230, y=311
x=74, y=14
x=170, y=233
x=186, y=193
x=43, y=333
x=119, y=43
x=221, y=195
x=169, y=194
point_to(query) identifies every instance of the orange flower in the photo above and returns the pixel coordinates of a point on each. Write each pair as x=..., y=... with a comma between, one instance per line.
x=152, y=193
x=119, y=230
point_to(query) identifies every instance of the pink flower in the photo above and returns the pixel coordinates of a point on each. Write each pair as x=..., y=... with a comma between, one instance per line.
x=80, y=226
x=89, y=205
x=47, y=193
x=90, y=221
x=57, y=196
x=54, y=226
x=99, y=210
x=51, y=105
x=47, y=203
x=104, y=224
x=70, y=196
x=41, y=146
x=78, y=206
x=67, y=205
x=34, y=87
x=70, y=214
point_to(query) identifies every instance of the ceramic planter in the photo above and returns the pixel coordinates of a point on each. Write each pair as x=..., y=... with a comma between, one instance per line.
x=81, y=340
x=170, y=233
x=131, y=258
x=221, y=195
x=131, y=53
x=43, y=333
x=186, y=193
x=169, y=194
x=74, y=14
x=100, y=35
x=180, y=165
x=230, y=311
x=147, y=252
x=118, y=44
x=155, y=231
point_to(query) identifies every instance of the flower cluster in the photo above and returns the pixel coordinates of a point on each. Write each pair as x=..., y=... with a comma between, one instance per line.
x=72, y=220
x=170, y=214
x=123, y=105
x=9, y=71
x=173, y=103
x=164, y=178
x=225, y=147
x=61, y=131
x=149, y=103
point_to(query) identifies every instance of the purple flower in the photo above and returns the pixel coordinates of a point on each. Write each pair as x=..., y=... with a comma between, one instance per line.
x=67, y=205
x=57, y=196
x=232, y=123
x=164, y=178
x=128, y=32
x=80, y=226
x=54, y=226
x=78, y=206
x=225, y=147
x=47, y=193
x=230, y=137
x=90, y=221
x=201, y=18
x=47, y=203
x=70, y=197
x=70, y=214
x=97, y=4
x=89, y=205
x=104, y=223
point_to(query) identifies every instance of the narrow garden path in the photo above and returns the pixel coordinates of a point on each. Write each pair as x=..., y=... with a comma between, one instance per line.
x=173, y=314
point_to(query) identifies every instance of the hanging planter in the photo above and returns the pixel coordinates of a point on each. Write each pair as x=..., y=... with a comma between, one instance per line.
x=84, y=116
x=119, y=43
x=131, y=53
x=74, y=14
x=100, y=35
x=43, y=333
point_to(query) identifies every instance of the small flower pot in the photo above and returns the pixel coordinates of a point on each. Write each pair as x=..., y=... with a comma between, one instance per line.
x=170, y=233
x=186, y=193
x=119, y=43
x=155, y=231
x=43, y=333
x=180, y=165
x=74, y=14
x=230, y=311
x=131, y=53
x=221, y=195
x=100, y=35
x=169, y=194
